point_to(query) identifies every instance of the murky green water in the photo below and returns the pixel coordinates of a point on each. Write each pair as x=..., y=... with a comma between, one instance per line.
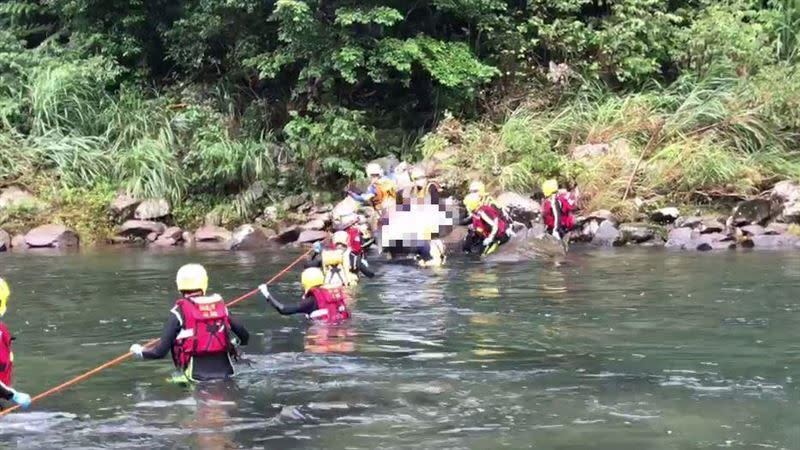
x=629, y=350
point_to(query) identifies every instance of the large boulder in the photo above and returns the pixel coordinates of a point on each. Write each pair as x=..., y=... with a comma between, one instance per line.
x=754, y=211
x=310, y=236
x=713, y=241
x=140, y=228
x=313, y=224
x=602, y=215
x=289, y=234
x=345, y=207
x=787, y=194
x=607, y=235
x=122, y=207
x=522, y=209
x=711, y=225
x=152, y=209
x=637, y=233
x=293, y=202
x=14, y=196
x=689, y=222
x=753, y=230
x=589, y=151
x=172, y=236
x=681, y=238
x=249, y=237
x=776, y=228
x=665, y=216
x=53, y=236
x=455, y=239
x=775, y=242
x=212, y=233
x=5, y=241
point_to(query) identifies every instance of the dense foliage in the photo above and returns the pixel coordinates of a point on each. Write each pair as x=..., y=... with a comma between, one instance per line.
x=238, y=102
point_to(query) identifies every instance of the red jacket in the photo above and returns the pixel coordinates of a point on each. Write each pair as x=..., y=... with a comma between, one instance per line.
x=566, y=205
x=484, y=229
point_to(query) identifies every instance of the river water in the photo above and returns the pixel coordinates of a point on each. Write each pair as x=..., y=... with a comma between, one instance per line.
x=610, y=350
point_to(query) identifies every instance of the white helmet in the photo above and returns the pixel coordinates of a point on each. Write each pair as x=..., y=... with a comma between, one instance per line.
x=374, y=169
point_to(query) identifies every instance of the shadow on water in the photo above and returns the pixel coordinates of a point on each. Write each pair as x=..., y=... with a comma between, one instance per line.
x=623, y=350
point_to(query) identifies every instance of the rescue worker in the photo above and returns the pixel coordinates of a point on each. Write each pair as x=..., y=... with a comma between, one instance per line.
x=201, y=335
x=423, y=190
x=320, y=302
x=489, y=227
x=557, y=209
x=431, y=254
x=7, y=356
x=339, y=264
x=382, y=191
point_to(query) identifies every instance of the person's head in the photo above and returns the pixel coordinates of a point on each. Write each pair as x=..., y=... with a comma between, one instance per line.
x=477, y=187
x=549, y=187
x=192, y=279
x=5, y=292
x=418, y=177
x=472, y=201
x=340, y=239
x=374, y=171
x=311, y=278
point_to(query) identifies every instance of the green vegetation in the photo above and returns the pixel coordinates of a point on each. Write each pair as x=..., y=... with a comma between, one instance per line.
x=225, y=107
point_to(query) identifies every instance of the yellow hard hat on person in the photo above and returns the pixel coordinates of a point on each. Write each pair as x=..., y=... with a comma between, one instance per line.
x=374, y=169
x=340, y=238
x=472, y=201
x=311, y=278
x=192, y=277
x=5, y=292
x=477, y=187
x=549, y=187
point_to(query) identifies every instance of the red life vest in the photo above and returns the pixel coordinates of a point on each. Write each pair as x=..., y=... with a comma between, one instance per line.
x=354, y=240
x=484, y=229
x=331, y=306
x=565, y=204
x=205, y=329
x=6, y=357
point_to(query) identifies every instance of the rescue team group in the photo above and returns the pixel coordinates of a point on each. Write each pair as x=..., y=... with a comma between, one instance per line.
x=204, y=339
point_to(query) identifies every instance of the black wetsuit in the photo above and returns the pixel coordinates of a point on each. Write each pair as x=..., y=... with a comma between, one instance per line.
x=208, y=367
x=307, y=306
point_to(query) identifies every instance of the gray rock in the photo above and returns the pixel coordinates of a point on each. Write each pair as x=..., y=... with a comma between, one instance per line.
x=601, y=215
x=188, y=238
x=152, y=237
x=163, y=241
x=270, y=213
x=587, y=231
x=775, y=241
x=289, y=234
x=521, y=208
x=14, y=196
x=122, y=207
x=680, y=238
x=293, y=202
x=711, y=225
x=776, y=228
x=665, y=216
x=18, y=242
x=5, y=241
x=345, y=207
x=454, y=240
x=152, y=209
x=173, y=233
x=607, y=235
x=140, y=228
x=786, y=191
x=211, y=233
x=311, y=236
x=689, y=222
x=755, y=211
x=314, y=224
x=53, y=236
x=249, y=237
x=588, y=151
x=753, y=230
x=636, y=233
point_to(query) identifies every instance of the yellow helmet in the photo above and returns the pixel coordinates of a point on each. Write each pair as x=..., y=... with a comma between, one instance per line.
x=549, y=187
x=192, y=277
x=340, y=238
x=311, y=278
x=374, y=169
x=5, y=292
x=477, y=187
x=472, y=201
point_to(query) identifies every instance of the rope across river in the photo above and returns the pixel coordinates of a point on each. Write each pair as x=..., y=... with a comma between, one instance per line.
x=121, y=358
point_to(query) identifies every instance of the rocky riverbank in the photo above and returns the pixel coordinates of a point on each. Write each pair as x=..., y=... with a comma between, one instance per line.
x=771, y=221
